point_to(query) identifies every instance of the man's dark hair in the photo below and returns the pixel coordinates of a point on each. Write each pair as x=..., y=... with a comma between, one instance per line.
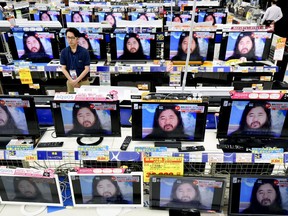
x=127, y=55
x=157, y=130
x=256, y=208
x=250, y=56
x=73, y=30
x=274, y=1
x=117, y=198
x=77, y=126
x=181, y=55
x=248, y=108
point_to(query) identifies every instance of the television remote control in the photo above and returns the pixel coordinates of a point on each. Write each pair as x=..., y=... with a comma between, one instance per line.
x=49, y=144
x=191, y=148
x=126, y=143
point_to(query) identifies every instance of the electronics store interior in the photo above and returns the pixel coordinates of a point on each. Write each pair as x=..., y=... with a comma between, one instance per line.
x=183, y=109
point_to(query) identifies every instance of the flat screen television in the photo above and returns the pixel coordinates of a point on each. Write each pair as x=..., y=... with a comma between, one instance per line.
x=110, y=17
x=86, y=118
x=176, y=192
x=178, y=17
x=214, y=17
x=168, y=121
x=254, y=46
x=18, y=117
x=47, y=15
x=33, y=46
x=95, y=43
x=258, y=195
x=132, y=46
x=30, y=190
x=79, y=16
x=202, y=47
x=132, y=16
x=253, y=123
x=106, y=190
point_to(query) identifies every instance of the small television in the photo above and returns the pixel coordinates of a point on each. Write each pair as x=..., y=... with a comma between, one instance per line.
x=83, y=16
x=214, y=17
x=132, y=16
x=47, y=15
x=30, y=190
x=18, y=117
x=95, y=43
x=132, y=46
x=86, y=118
x=110, y=17
x=178, y=17
x=33, y=46
x=253, y=123
x=258, y=195
x=254, y=46
x=167, y=193
x=168, y=121
x=176, y=46
x=106, y=190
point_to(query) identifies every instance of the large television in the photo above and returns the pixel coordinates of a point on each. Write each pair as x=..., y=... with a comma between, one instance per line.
x=168, y=121
x=253, y=123
x=202, y=47
x=214, y=17
x=132, y=46
x=30, y=190
x=18, y=117
x=258, y=195
x=178, y=192
x=106, y=190
x=95, y=43
x=254, y=46
x=35, y=46
x=86, y=118
x=47, y=15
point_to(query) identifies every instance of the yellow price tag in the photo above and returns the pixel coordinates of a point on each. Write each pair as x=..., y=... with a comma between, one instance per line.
x=31, y=158
x=162, y=166
x=25, y=76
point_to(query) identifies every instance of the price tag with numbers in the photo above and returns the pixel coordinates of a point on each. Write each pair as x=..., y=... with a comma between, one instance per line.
x=162, y=166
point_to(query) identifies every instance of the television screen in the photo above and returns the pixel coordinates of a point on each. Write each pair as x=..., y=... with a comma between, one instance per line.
x=214, y=17
x=17, y=189
x=18, y=116
x=51, y=15
x=107, y=190
x=181, y=18
x=132, y=46
x=95, y=43
x=125, y=114
x=86, y=118
x=202, y=46
x=110, y=17
x=132, y=16
x=254, y=46
x=33, y=46
x=199, y=193
x=162, y=121
x=258, y=195
x=79, y=16
x=45, y=117
x=253, y=118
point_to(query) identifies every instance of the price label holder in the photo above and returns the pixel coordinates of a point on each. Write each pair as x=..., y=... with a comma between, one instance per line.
x=268, y=155
x=162, y=166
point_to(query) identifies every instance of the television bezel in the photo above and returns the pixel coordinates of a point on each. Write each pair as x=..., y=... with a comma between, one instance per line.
x=137, y=133
x=58, y=190
x=74, y=174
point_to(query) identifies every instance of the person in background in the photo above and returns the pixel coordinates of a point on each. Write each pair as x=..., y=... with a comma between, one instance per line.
x=183, y=49
x=167, y=123
x=265, y=198
x=33, y=48
x=244, y=47
x=105, y=190
x=185, y=194
x=133, y=49
x=272, y=14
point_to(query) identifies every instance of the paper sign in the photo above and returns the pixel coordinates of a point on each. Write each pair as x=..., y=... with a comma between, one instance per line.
x=162, y=166
x=25, y=76
x=279, y=49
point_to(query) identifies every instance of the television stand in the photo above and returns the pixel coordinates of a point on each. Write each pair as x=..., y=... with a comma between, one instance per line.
x=168, y=144
x=79, y=142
